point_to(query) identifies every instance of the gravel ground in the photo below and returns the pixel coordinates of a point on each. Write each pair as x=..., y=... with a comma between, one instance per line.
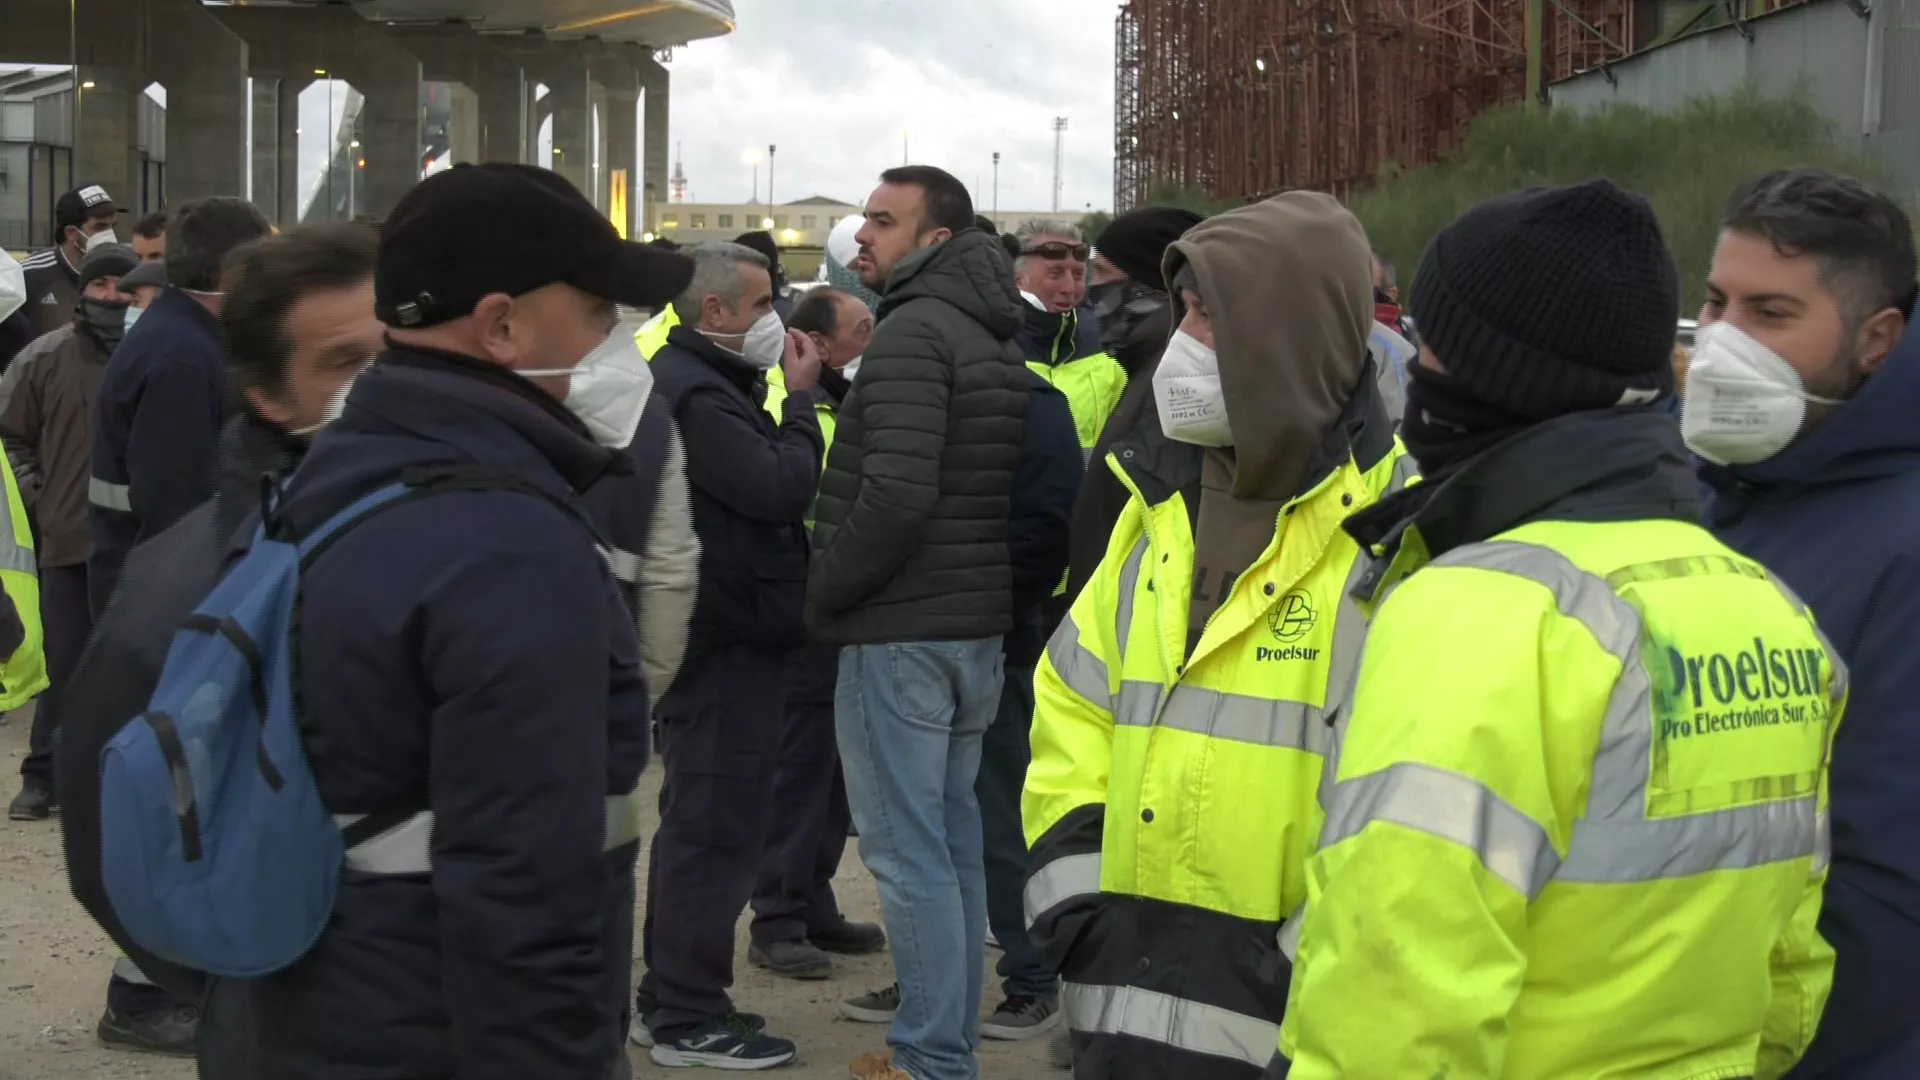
x=54, y=964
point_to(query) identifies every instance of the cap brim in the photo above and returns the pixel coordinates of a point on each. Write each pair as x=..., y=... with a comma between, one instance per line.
x=147, y=273
x=636, y=275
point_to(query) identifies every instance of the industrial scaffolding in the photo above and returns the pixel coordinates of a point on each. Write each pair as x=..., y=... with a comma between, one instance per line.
x=1250, y=97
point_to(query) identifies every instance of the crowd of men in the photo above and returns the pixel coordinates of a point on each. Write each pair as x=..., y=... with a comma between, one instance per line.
x=1286, y=684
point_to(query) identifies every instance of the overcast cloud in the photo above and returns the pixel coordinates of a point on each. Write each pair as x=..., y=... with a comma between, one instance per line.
x=834, y=83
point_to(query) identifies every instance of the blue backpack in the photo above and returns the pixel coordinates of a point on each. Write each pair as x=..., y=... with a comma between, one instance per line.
x=216, y=851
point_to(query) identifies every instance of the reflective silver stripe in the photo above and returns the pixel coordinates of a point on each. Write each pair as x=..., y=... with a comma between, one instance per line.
x=1084, y=673
x=1435, y=801
x=1822, y=843
x=1172, y=1021
x=1060, y=881
x=1290, y=935
x=1221, y=715
x=1622, y=852
x=1349, y=639
x=624, y=564
x=1129, y=580
x=407, y=848
x=110, y=496
x=127, y=971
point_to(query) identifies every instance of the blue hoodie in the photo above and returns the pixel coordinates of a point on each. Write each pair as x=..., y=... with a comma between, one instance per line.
x=1837, y=517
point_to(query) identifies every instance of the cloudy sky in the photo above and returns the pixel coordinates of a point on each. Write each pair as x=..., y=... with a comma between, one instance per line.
x=834, y=83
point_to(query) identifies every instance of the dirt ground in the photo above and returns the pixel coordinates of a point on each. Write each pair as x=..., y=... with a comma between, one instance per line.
x=54, y=964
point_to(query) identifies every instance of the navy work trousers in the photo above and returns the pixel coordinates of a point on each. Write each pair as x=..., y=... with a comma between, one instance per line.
x=794, y=898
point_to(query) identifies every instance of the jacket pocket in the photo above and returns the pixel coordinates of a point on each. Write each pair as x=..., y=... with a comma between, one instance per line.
x=779, y=598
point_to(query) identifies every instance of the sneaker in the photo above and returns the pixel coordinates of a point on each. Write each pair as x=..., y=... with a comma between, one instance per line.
x=641, y=1034
x=875, y=1008
x=1060, y=1050
x=876, y=1066
x=792, y=959
x=34, y=803
x=850, y=938
x=169, y=1031
x=727, y=1043
x=1021, y=1017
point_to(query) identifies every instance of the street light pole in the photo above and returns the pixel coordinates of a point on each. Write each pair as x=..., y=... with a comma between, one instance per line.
x=905, y=157
x=996, y=189
x=770, y=149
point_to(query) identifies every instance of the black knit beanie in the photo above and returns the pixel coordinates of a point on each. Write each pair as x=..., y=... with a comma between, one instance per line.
x=1552, y=300
x=1136, y=242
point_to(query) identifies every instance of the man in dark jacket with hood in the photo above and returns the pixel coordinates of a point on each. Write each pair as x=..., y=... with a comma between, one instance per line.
x=1801, y=396
x=46, y=423
x=468, y=653
x=752, y=481
x=1129, y=296
x=911, y=575
x=299, y=323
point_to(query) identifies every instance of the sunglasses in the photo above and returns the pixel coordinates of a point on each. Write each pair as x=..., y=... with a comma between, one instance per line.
x=1059, y=250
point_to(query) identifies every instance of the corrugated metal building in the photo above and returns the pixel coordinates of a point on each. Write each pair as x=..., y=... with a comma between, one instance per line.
x=1859, y=65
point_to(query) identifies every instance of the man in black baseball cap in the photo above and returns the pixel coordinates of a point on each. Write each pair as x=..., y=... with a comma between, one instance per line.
x=466, y=652
x=81, y=217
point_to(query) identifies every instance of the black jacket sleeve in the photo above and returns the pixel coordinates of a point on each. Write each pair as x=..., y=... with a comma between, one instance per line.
x=730, y=458
x=903, y=399
x=515, y=654
x=171, y=448
x=1043, y=494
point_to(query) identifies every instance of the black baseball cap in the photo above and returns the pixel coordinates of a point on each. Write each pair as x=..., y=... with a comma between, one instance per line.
x=474, y=230
x=84, y=202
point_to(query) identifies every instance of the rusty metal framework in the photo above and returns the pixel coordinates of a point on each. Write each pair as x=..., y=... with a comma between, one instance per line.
x=1249, y=97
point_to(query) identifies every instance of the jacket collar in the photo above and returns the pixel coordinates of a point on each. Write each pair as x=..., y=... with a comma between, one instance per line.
x=751, y=380
x=833, y=388
x=178, y=304
x=469, y=404
x=1600, y=465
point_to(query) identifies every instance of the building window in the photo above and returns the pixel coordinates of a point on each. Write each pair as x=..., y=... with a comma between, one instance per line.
x=671, y=221
x=780, y=221
x=699, y=221
x=808, y=221
x=726, y=221
x=833, y=222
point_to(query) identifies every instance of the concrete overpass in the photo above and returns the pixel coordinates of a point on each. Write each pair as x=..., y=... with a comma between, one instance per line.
x=478, y=77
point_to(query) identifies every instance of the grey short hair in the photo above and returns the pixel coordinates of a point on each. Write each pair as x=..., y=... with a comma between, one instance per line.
x=1034, y=228
x=716, y=272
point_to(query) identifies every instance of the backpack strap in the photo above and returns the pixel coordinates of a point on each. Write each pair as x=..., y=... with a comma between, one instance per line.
x=423, y=481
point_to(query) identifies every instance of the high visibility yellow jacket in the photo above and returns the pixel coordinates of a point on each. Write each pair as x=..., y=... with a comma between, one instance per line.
x=1068, y=356
x=826, y=407
x=1170, y=804
x=23, y=673
x=653, y=333
x=1576, y=819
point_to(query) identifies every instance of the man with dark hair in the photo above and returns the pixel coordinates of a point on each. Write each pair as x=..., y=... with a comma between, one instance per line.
x=911, y=576
x=762, y=241
x=1800, y=396
x=164, y=399
x=46, y=427
x=150, y=237
x=82, y=219
x=796, y=917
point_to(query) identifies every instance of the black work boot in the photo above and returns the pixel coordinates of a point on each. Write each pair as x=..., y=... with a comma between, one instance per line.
x=849, y=938
x=170, y=1030
x=34, y=803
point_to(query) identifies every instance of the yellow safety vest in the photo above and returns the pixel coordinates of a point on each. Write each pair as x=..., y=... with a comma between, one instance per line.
x=1093, y=385
x=653, y=333
x=23, y=674
x=1576, y=821
x=822, y=409
x=1176, y=794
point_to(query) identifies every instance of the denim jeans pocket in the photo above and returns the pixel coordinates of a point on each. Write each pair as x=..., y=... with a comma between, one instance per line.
x=921, y=680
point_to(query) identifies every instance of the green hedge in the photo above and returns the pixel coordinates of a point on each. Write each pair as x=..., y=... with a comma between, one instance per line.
x=1685, y=162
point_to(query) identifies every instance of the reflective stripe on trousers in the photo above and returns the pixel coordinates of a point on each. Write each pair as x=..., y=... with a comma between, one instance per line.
x=110, y=496
x=407, y=848
x=1176, y=1022
x=1615, y=842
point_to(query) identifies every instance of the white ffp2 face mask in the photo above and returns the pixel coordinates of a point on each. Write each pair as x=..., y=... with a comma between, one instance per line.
x=104, y=236
x=607, y=389
x=765, y=342
x=1188, y=396
x=1743, y=403
x=852, y=368
x=336, y=406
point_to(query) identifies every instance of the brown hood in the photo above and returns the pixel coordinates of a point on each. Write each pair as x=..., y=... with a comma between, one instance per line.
x=1289, y=284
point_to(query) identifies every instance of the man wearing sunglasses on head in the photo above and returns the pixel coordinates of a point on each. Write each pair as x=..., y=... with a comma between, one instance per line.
x=1061, y=339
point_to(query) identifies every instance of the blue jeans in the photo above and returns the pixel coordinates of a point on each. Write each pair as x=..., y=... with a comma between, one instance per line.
x=910, y=718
